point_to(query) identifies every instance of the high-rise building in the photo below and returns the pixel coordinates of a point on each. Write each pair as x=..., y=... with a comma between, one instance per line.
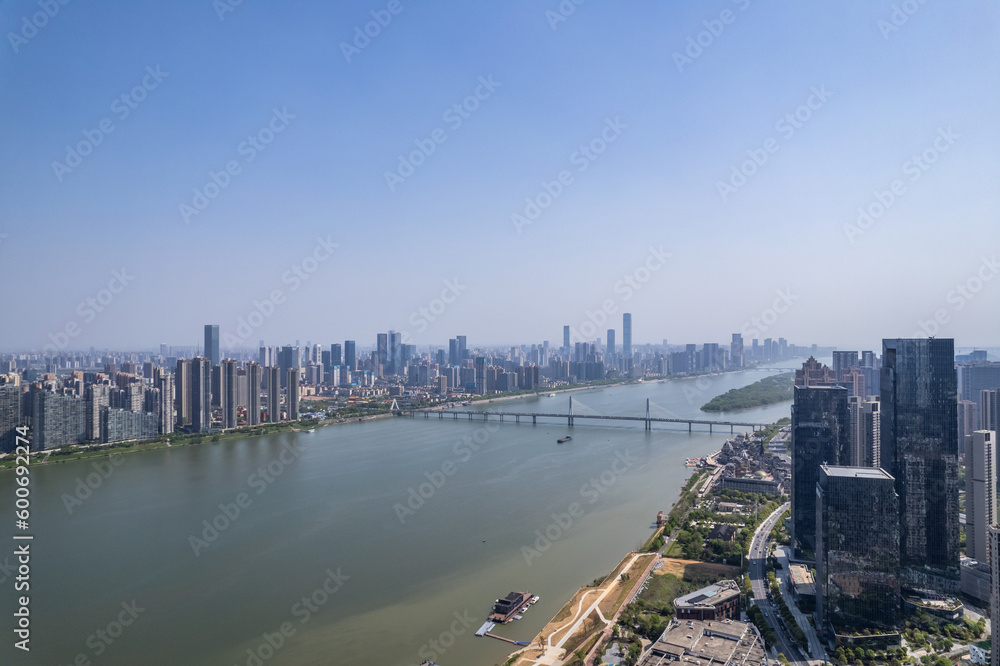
x=183, y=392
x=989, y=409
x=396, y=362
x=611, y=345
x=288, y=358
x=56, y=419
x=920, y=450
x=382, y=351
x=857, y=549
x=255, y=375
x=968, y=422
x=164, y=382
x=994, y=537
x=350, y=355
x=980, y=492
x=736, y=351
x=201, y=394
x=820, y=436
x=453, y=351
x=98, y=399
x=463, y=348
x=228, y=387
x=481, y=375
x=336, y=355
x=627, y=335
x=973, y=378
x=292, y=394
x=212, y=344
x=10, y=416
x=565, y=337
x=842, y=360
x=273, y=393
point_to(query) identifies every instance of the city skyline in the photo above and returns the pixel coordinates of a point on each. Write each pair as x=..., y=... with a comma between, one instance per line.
x=689, y=178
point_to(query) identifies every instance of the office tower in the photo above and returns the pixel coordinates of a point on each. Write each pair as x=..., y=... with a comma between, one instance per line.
x=201, y=394
x=183, y=392
x=735, y=351
x=857, y=549
x=627, y=335
x=989, y=409
x=463, y=348
x=440, y=358
x=212, y=344
x=255, y=375
x=164, y=382
x=480, y=375
x=216, y=386
x=228, y=398
x=973, y=378
x=292, y=394
x=396, y=362
x=10, y=416
x=336, y=357
x=920, y=450
x=273, y=394
x=350, y=355
x=147, y=369
x=871, y=366
x=994, y=537
x=453, y=351
x=288, y=358
x=968, y=422
x=565, y=337
x=866, y=432
x=264, y=356
x=820, y=436
x=980, y=492
x=611, y=344
x=97, y=397
x=382, y=351
x=842, y=360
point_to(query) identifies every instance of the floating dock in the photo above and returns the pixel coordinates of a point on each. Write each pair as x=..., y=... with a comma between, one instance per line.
x=505, y=640
x=487, y=627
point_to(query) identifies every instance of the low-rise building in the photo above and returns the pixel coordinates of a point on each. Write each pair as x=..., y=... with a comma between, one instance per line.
x=715, y=602
x=803, y=586
x=979, y=653
x=697, y=643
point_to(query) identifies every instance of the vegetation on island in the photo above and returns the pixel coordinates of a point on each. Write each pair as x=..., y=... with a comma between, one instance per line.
x=767, y=391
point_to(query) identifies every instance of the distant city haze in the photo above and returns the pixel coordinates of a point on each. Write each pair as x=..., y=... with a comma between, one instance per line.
x=825, y=173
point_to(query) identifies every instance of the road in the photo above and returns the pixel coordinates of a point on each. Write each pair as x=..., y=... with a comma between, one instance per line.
x=758, y=582
x=785, y=583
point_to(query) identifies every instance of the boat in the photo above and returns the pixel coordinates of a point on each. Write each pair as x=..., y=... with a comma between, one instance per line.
x=534, y=600
x=565, y=439
x=505, y=610
x=552, y=395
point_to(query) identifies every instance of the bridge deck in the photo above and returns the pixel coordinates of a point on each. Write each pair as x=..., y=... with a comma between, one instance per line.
x=651, y=419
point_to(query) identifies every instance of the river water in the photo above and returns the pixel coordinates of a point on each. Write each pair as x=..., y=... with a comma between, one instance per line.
x=370, y=543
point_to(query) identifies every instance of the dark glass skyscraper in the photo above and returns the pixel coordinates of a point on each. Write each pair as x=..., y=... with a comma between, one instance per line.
x=627, y=335
x=212, y=344
x=920, y=450
x=350, y=355
x=820, y=436
x=857, y=548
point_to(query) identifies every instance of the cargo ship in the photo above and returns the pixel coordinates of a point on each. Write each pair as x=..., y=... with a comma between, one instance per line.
x=565, y=439
x=506, y=609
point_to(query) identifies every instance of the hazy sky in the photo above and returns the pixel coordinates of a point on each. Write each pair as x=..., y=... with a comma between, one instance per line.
x=624, y=124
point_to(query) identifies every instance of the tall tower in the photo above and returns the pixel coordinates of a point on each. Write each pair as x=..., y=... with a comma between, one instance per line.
x=820, y=436
x=182, y=392
x=611, y=344
x=201, y=394
x=165, y=382
x=480, y=375
x=463, y=348
x=627, y=335
x=293, y=394
x=273, y=394
x=980, y=492
x=920, y=450
x=254, y=377
x=212, y=343
x=228, y=398
x=350, y=355
x=736, y=351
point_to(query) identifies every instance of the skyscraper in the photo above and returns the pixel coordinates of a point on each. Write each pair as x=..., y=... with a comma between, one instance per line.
x=336, y=355
x=164, y=381
x=97, y=397
x=463, y=348
x=857, y=548
x=820, y=436
x=350, y=355
x=980, y=492
x=565, y=337
x=212, y=344
x=254, y=376
x=989, y=409
x=611, y=345
x=396, y=362
x=453, y=351
x=920, y=450
x=201, y=394
x=627, y=335
x=842, y=360
x=736, y=351
x=480, y=375
x=182, y=392
x=228, y=387
x=292, y=394
x=10, y=416
x=273, y=394
x=994, y=537
x=382, y=351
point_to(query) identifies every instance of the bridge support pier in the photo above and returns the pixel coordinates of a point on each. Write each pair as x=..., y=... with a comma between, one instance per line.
x=689, y=426
x=709, y=428
x=731, y=431
x=534, y=420
x=427, y=415
x=517, y=418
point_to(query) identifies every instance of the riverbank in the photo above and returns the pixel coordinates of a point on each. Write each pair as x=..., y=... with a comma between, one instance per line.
x=762, y=393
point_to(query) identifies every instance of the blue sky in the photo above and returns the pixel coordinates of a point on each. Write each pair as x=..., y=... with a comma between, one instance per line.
x=885, y=96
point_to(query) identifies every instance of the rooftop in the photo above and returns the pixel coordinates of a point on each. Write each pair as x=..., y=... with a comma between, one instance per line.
x=698, y=643
x=709, y=596
x=857, y=472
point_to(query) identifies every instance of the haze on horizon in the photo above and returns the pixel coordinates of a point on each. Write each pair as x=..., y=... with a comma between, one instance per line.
x=612, y=120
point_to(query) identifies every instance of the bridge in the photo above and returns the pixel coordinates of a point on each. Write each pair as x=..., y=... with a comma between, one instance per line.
x=648, y=420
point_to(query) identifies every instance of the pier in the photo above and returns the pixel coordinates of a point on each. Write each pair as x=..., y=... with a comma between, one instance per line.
x=648, y=420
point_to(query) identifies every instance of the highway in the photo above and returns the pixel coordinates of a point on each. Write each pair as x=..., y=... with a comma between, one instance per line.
x=758, y=582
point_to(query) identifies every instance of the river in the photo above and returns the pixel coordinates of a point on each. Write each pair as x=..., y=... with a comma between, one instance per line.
x=370, y=543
